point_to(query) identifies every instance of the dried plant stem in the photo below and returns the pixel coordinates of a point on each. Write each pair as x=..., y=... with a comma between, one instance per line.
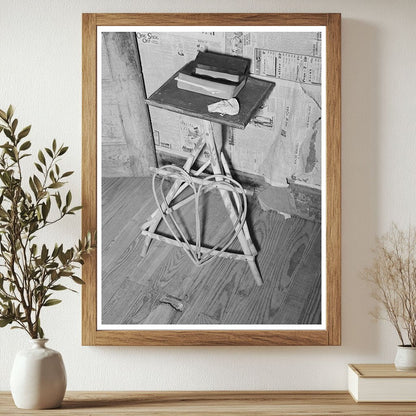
x=393, y=276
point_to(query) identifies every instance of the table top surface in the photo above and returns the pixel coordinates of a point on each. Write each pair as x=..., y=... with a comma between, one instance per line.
x=250, y=98
x=179, y=403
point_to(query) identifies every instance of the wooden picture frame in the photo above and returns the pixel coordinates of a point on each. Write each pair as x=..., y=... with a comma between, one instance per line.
x=331, y=334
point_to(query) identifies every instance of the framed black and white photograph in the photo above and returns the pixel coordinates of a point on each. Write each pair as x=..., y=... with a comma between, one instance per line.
x=211, y=172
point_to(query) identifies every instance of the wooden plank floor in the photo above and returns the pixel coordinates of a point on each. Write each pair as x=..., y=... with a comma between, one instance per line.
x=179, y=403
x=222, y=292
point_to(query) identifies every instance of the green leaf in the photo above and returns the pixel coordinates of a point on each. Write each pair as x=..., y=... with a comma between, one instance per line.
x=54, y=145
x=33, y=187
x=56, y=185
x=3, y=116
x=49, y=151
x=24, y=132
x=63, y=150
x=10, y=112
x=6, y=145
x=34, y=226
x=44, y=253
x=55, y=251
x=8, y=133
x=37, y=183
x=76, y=279
x=39, y=167
x=45, y=211
x=40, y=331
x=75, y=209
x=5, y=321
x=41, y=158
x=58, y=199
x=4, y=298
x=25, y=145
x=67, y=174
x=14, y=125
x=68, y=199
x=62, y=257
x=59, y=287
x=51, y=302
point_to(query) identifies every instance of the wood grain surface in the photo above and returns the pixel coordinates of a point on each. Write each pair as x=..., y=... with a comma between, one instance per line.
x=89, y=172
x=179, y=403
x=333, y=177
x=380, y=371
x=330, y=336
x=221, y=292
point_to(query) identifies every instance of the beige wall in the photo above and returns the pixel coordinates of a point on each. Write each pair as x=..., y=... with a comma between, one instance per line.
x=40, y=73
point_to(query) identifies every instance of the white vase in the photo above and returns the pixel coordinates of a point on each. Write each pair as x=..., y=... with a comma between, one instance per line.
x=405, y=358
x=38, y=378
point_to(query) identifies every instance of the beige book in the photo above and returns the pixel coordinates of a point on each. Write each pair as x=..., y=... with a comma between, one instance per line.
x=381, y=383
x=224, y=90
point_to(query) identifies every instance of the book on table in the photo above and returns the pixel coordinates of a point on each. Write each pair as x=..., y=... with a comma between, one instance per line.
x=381, y=383
x=219, y=66
x=214, y=87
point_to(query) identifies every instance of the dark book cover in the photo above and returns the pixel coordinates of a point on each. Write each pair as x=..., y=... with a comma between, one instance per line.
x=216, y=62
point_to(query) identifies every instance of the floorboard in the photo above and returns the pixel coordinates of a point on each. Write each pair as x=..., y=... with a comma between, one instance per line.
x=135, y=289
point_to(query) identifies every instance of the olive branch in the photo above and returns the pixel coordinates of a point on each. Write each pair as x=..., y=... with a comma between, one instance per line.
x=31, y=273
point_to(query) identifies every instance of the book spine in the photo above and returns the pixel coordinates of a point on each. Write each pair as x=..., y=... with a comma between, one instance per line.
x=353, y=384
x=206, y=87
x=218, y=74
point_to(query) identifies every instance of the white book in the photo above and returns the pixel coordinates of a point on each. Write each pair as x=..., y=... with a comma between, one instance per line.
x=224, y=90
x=381, y=383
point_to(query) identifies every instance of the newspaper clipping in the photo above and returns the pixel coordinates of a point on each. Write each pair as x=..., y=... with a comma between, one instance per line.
x=283, y=139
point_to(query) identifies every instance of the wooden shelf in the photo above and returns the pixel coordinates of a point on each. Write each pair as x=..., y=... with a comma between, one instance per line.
x=318, y=403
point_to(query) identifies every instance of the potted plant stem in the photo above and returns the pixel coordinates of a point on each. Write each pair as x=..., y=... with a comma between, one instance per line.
x=31, y=273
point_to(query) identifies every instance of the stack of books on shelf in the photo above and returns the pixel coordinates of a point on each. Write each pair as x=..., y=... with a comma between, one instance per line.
x=381, y=383
x=214, y=74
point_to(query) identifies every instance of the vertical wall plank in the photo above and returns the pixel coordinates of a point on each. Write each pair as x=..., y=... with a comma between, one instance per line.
x=125, y=89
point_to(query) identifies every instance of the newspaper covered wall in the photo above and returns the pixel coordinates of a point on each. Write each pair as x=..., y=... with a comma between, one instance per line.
x=283, y=140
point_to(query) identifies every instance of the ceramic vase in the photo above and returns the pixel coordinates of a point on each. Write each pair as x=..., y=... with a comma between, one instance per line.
x=405, y=358
x=38, y=377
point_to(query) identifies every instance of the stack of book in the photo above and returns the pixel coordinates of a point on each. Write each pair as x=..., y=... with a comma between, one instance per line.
x=214, y=74
x=381, y=383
